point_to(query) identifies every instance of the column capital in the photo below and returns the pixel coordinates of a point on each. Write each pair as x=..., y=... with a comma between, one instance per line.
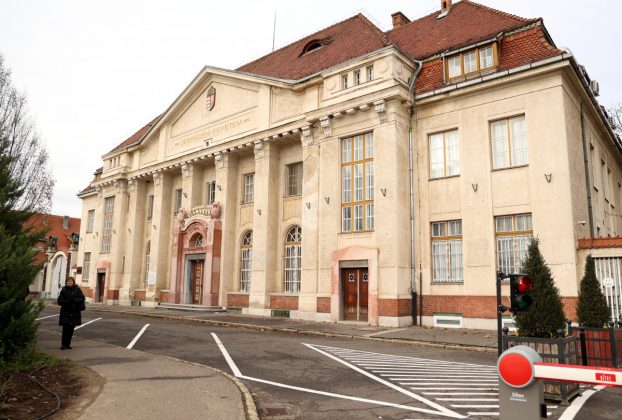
x=307, y=136
x=186, y=169
x=381, y=109
x=260, y=149
x=157, y=178
x=326, y=125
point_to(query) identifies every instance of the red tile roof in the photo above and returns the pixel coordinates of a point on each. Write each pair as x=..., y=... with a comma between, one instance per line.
x=591, y=243
x=348, y=39
x=55, y=225
x=465, y=24
x=137, y=136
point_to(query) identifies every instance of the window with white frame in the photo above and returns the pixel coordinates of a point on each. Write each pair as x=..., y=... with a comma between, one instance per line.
x=357, y=77
x=472, y=61
x=509, y=142
x=357, y=183
x=210, y=193
x=344, y=81
x=293, y=179
x=370, y=73
x=246, y=261
x=147, y=263
x=177, y=205
x=513, y=234
x=444, y=154
x=90, y=221
x=150, y=207
x=447, y=252
x=107, y=231
x=249, y=187
x=86, y=266
x=293, y=259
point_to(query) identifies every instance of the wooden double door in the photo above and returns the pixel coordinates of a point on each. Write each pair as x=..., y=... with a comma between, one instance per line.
x=196, y=281
x=354, y=285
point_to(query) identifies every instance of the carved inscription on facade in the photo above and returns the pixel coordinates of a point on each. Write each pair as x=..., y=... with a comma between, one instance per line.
x=211, y=132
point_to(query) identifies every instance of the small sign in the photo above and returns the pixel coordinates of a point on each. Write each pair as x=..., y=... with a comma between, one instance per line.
x=608, y=282
x=151, y=278
x=351, y=278
x=605, y=377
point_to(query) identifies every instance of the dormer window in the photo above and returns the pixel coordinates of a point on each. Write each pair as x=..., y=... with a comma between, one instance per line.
x=314, y=45
x=472, y=61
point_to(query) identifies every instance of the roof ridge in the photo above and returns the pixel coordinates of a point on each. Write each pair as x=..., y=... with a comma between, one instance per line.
x=500, y=12
x=376, y=29
x=309, y=37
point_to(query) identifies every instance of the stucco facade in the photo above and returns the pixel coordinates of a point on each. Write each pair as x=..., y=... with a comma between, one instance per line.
x=173, y=208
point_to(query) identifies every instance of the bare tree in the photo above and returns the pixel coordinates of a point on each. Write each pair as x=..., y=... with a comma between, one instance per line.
x=29, y=157
x=615, y=112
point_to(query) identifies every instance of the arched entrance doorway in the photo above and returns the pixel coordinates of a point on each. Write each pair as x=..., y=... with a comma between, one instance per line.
x=59, y=272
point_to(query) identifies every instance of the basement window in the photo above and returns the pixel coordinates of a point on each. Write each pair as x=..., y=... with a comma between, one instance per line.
x=445, y=320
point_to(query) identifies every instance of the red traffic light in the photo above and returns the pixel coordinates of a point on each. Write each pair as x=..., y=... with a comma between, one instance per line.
x=524, y=284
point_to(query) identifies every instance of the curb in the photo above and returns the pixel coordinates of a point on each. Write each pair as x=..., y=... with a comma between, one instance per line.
x=450, y=346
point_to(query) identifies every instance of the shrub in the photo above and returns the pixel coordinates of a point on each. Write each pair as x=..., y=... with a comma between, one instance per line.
x=592, y=309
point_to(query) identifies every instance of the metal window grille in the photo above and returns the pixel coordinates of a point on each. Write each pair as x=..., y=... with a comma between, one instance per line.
x=197, y=241
x=447, y=266
x=294, y=179
x=86, y=266
x=357, y=183
x=293, y=259
x=611, y=269
x=513, y=236
x=107, y=231
x=246, y=262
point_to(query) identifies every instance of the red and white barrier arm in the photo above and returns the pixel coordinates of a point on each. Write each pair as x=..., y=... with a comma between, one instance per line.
x=573, y=373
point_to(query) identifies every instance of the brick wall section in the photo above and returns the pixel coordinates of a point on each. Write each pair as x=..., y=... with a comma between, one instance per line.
x=480, y=306
x=394, y=307
x=112, y=294
x=323, y=305
x=237, y=301
x=284, y=302
x=164, y=297
x=88, y=292
x=140, y=295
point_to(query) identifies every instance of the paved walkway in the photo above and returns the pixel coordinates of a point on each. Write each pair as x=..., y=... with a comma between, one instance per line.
x=140, y=385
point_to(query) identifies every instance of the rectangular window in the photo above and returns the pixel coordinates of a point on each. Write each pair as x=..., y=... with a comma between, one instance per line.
x=177, y=205
x=249, y=184
x=594, y=167
x=150, y=207
x=513, y=234
x=509, y=142
x=357, y=77
x=370, y=73
x=605, y=177
x=447, y=252
x=444, y=154
x=357, y=183
x=454, y=66
x=86, y=266
x=90, y=221
x=344, y=81
x=210, y=193
x=293, y=175
x=470, y=62
x=107, y=231
x=486, y=58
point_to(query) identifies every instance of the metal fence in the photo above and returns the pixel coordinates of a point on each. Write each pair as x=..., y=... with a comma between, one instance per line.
x=599, y=346
x=609, y=273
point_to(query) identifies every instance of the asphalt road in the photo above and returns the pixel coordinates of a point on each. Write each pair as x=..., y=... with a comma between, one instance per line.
x=296, y=376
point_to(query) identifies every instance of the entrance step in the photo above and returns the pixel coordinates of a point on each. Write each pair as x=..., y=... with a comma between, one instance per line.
x=189, y=307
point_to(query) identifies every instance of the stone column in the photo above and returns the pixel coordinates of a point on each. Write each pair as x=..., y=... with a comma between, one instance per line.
x=117, y=246
x=265, y=224
x=137, y=214
x=227, y=196
x=311, y=200
x=160, y=237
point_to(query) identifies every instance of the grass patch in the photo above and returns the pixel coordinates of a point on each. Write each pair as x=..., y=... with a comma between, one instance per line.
x=29, y=360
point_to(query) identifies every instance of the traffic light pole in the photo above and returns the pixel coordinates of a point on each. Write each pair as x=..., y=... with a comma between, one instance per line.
x=500, y=310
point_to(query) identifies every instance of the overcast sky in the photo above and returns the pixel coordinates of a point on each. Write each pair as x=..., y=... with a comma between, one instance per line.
x=94, y=72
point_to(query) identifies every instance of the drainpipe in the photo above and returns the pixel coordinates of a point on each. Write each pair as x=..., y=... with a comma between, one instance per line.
x=411, y=177
x=586, y=166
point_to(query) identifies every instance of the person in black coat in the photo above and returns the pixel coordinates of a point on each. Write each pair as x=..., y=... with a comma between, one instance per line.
x=71, y=302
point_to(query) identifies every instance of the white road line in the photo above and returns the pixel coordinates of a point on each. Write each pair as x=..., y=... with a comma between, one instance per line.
x=225, y=353
x=129, y=346
x=87, y=323
x=482, y=413
x=51, y=316
x=384, y=332
x=238, y=374
x=439, y=407
x=578, y=402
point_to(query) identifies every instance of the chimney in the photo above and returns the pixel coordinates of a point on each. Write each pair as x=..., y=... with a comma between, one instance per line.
x=65, y=222
x=399, y=19
x=445, y=5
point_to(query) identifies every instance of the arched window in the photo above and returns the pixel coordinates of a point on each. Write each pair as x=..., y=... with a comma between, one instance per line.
x=246, y=261
x=293, y=254
x=147, y=262
x=196, y=241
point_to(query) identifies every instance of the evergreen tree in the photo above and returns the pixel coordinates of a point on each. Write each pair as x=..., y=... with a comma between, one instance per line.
x=17, y=267
x=546, y=314
x=592, y=310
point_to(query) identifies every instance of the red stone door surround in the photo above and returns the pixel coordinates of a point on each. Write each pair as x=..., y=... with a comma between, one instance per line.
x=184, y=236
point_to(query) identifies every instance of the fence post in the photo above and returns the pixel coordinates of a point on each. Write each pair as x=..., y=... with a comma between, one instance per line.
x=612, y=341
x=583, y=346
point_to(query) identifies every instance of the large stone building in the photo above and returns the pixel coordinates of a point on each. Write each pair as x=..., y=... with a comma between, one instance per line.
x=336, y=176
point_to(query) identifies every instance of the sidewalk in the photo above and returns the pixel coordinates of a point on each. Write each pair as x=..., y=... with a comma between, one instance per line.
x=460, y=338
x=140, y=385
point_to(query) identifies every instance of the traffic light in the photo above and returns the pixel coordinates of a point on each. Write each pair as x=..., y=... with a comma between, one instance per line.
x=520, y=293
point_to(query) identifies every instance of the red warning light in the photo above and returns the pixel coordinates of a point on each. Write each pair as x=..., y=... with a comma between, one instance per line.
x=524, y=284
